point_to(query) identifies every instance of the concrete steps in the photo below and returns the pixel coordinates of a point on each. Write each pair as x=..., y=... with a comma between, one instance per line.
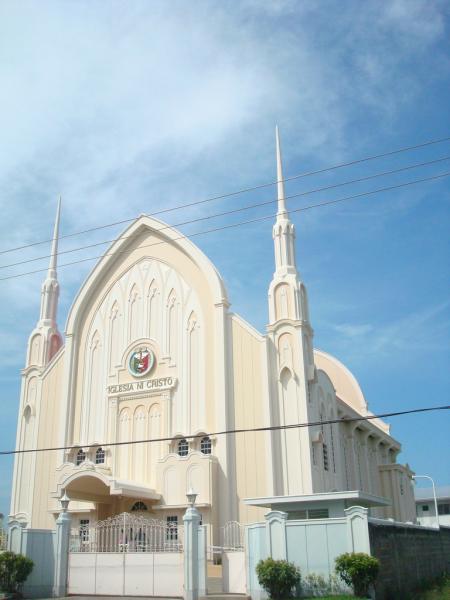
x=224, y=596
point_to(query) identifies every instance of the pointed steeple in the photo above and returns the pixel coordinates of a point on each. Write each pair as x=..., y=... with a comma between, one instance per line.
x=51, y=274
x=45, y=340
x=283, y=230
x=50, y=287
x=280, y=179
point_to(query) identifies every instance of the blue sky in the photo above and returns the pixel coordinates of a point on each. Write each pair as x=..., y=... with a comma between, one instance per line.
x=126, y=108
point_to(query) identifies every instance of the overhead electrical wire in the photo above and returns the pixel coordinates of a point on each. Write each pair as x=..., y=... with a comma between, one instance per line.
x=240, y=209
x=232, y=225
x=240, y=191
x=232, y=431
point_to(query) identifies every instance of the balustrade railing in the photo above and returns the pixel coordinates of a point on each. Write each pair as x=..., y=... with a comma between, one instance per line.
x=128, y=533
x=233, y=536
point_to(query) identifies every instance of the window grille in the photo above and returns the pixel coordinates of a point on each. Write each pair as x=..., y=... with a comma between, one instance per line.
x=84, y=530
x=172, y=529
x=81, y=457
x=99, y=456
x=183, y=447
x=332, y=448
x=205, y=445
x=444, y=509
x=325, y=457
x=138, y=506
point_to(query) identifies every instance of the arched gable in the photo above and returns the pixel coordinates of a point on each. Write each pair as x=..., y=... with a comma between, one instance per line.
x=124, y=247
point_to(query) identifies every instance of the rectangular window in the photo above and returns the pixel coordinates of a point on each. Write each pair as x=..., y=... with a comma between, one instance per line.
x=425, y=508
x=172, y=529
x=318, y=513
x=84, y=530
x=444, y=509
x=298, y=514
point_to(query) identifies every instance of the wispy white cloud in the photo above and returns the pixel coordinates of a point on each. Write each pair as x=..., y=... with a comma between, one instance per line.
x=405, y=338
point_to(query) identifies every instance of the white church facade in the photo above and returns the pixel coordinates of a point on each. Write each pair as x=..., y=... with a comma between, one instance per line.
x=151, y=351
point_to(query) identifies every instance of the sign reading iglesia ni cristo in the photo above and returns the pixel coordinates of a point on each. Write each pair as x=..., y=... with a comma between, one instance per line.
x=158, y=383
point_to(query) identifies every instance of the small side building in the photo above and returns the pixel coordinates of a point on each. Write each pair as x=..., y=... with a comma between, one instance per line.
x=425, y=508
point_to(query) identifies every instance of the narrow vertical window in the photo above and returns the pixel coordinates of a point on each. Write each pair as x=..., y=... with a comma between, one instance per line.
x=84, y=530
x=99, y=456
x=172, y=529
x=325, y=457
x=205, y=445
x=183, y=447
x=81, y=457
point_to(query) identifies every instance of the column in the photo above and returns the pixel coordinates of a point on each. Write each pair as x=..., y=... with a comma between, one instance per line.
x=191, y=521
x=62, y=550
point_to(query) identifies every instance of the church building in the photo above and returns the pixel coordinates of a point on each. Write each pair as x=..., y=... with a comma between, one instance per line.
x=152, y=351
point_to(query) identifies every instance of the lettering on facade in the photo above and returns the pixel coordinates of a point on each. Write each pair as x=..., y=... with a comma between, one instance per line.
x=159, y=383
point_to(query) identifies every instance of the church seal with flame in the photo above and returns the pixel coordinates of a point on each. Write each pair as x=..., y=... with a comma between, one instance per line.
x=141, y=361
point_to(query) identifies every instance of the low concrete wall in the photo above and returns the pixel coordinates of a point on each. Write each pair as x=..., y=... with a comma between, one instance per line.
x=407, y=555
x=233, y=572
x=312, y=545
x=39, y=545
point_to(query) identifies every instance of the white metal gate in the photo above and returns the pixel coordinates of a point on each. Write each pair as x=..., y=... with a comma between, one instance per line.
x=226, y=563
x=130, y=555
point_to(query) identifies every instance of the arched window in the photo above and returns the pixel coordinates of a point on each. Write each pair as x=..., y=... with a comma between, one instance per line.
x=138, y=506
x=99, y=456
x=183, y=447
x=81, y=457
x=205, y=445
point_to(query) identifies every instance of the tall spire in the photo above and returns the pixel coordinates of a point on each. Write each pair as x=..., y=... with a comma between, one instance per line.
x=51, y=274
x=50, y=287
x=280, y=179
x=283, y=229
x=45, y=339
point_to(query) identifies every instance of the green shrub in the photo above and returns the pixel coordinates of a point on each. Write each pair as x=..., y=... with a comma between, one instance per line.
x=14, y=570
x=277, y=577
x=315, y=585
x=358, y=570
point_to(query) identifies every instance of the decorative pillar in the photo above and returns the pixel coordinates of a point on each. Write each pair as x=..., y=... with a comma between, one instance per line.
x=357, y=529
x=192, y=548
x=62, y=550
x=276, y=534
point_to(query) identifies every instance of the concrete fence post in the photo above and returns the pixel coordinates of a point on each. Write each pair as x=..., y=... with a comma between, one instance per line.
x=191, y=521
x=276, y=534
x=357, y=529
x=61, y=554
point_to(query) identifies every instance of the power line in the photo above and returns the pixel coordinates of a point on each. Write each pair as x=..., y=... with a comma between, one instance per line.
x=249, y=221
x=233, y=431
x=240, y=209
x=241, y=191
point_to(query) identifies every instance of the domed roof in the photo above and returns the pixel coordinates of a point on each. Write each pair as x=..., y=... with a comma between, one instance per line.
x=344, y=382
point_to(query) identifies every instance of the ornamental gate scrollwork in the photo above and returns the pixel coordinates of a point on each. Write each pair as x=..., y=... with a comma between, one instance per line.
x=128, y=533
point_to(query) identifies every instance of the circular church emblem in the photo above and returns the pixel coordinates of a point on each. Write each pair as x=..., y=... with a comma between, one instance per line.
x=141, y=361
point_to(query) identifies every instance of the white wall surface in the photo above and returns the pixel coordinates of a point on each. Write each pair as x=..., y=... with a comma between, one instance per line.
x=129, y=574
x=233, y=572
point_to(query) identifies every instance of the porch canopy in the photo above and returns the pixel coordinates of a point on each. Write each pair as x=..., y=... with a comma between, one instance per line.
x=92, y=486
x=320, y=505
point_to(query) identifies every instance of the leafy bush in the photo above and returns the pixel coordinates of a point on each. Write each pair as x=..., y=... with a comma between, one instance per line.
x=318, y=586
x=14, y=570
x=315, y=585
x=277, y=577
x=358, y=570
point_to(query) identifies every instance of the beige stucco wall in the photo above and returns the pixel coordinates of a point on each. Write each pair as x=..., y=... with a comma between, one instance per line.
x=250, y=389
x=47, y=436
